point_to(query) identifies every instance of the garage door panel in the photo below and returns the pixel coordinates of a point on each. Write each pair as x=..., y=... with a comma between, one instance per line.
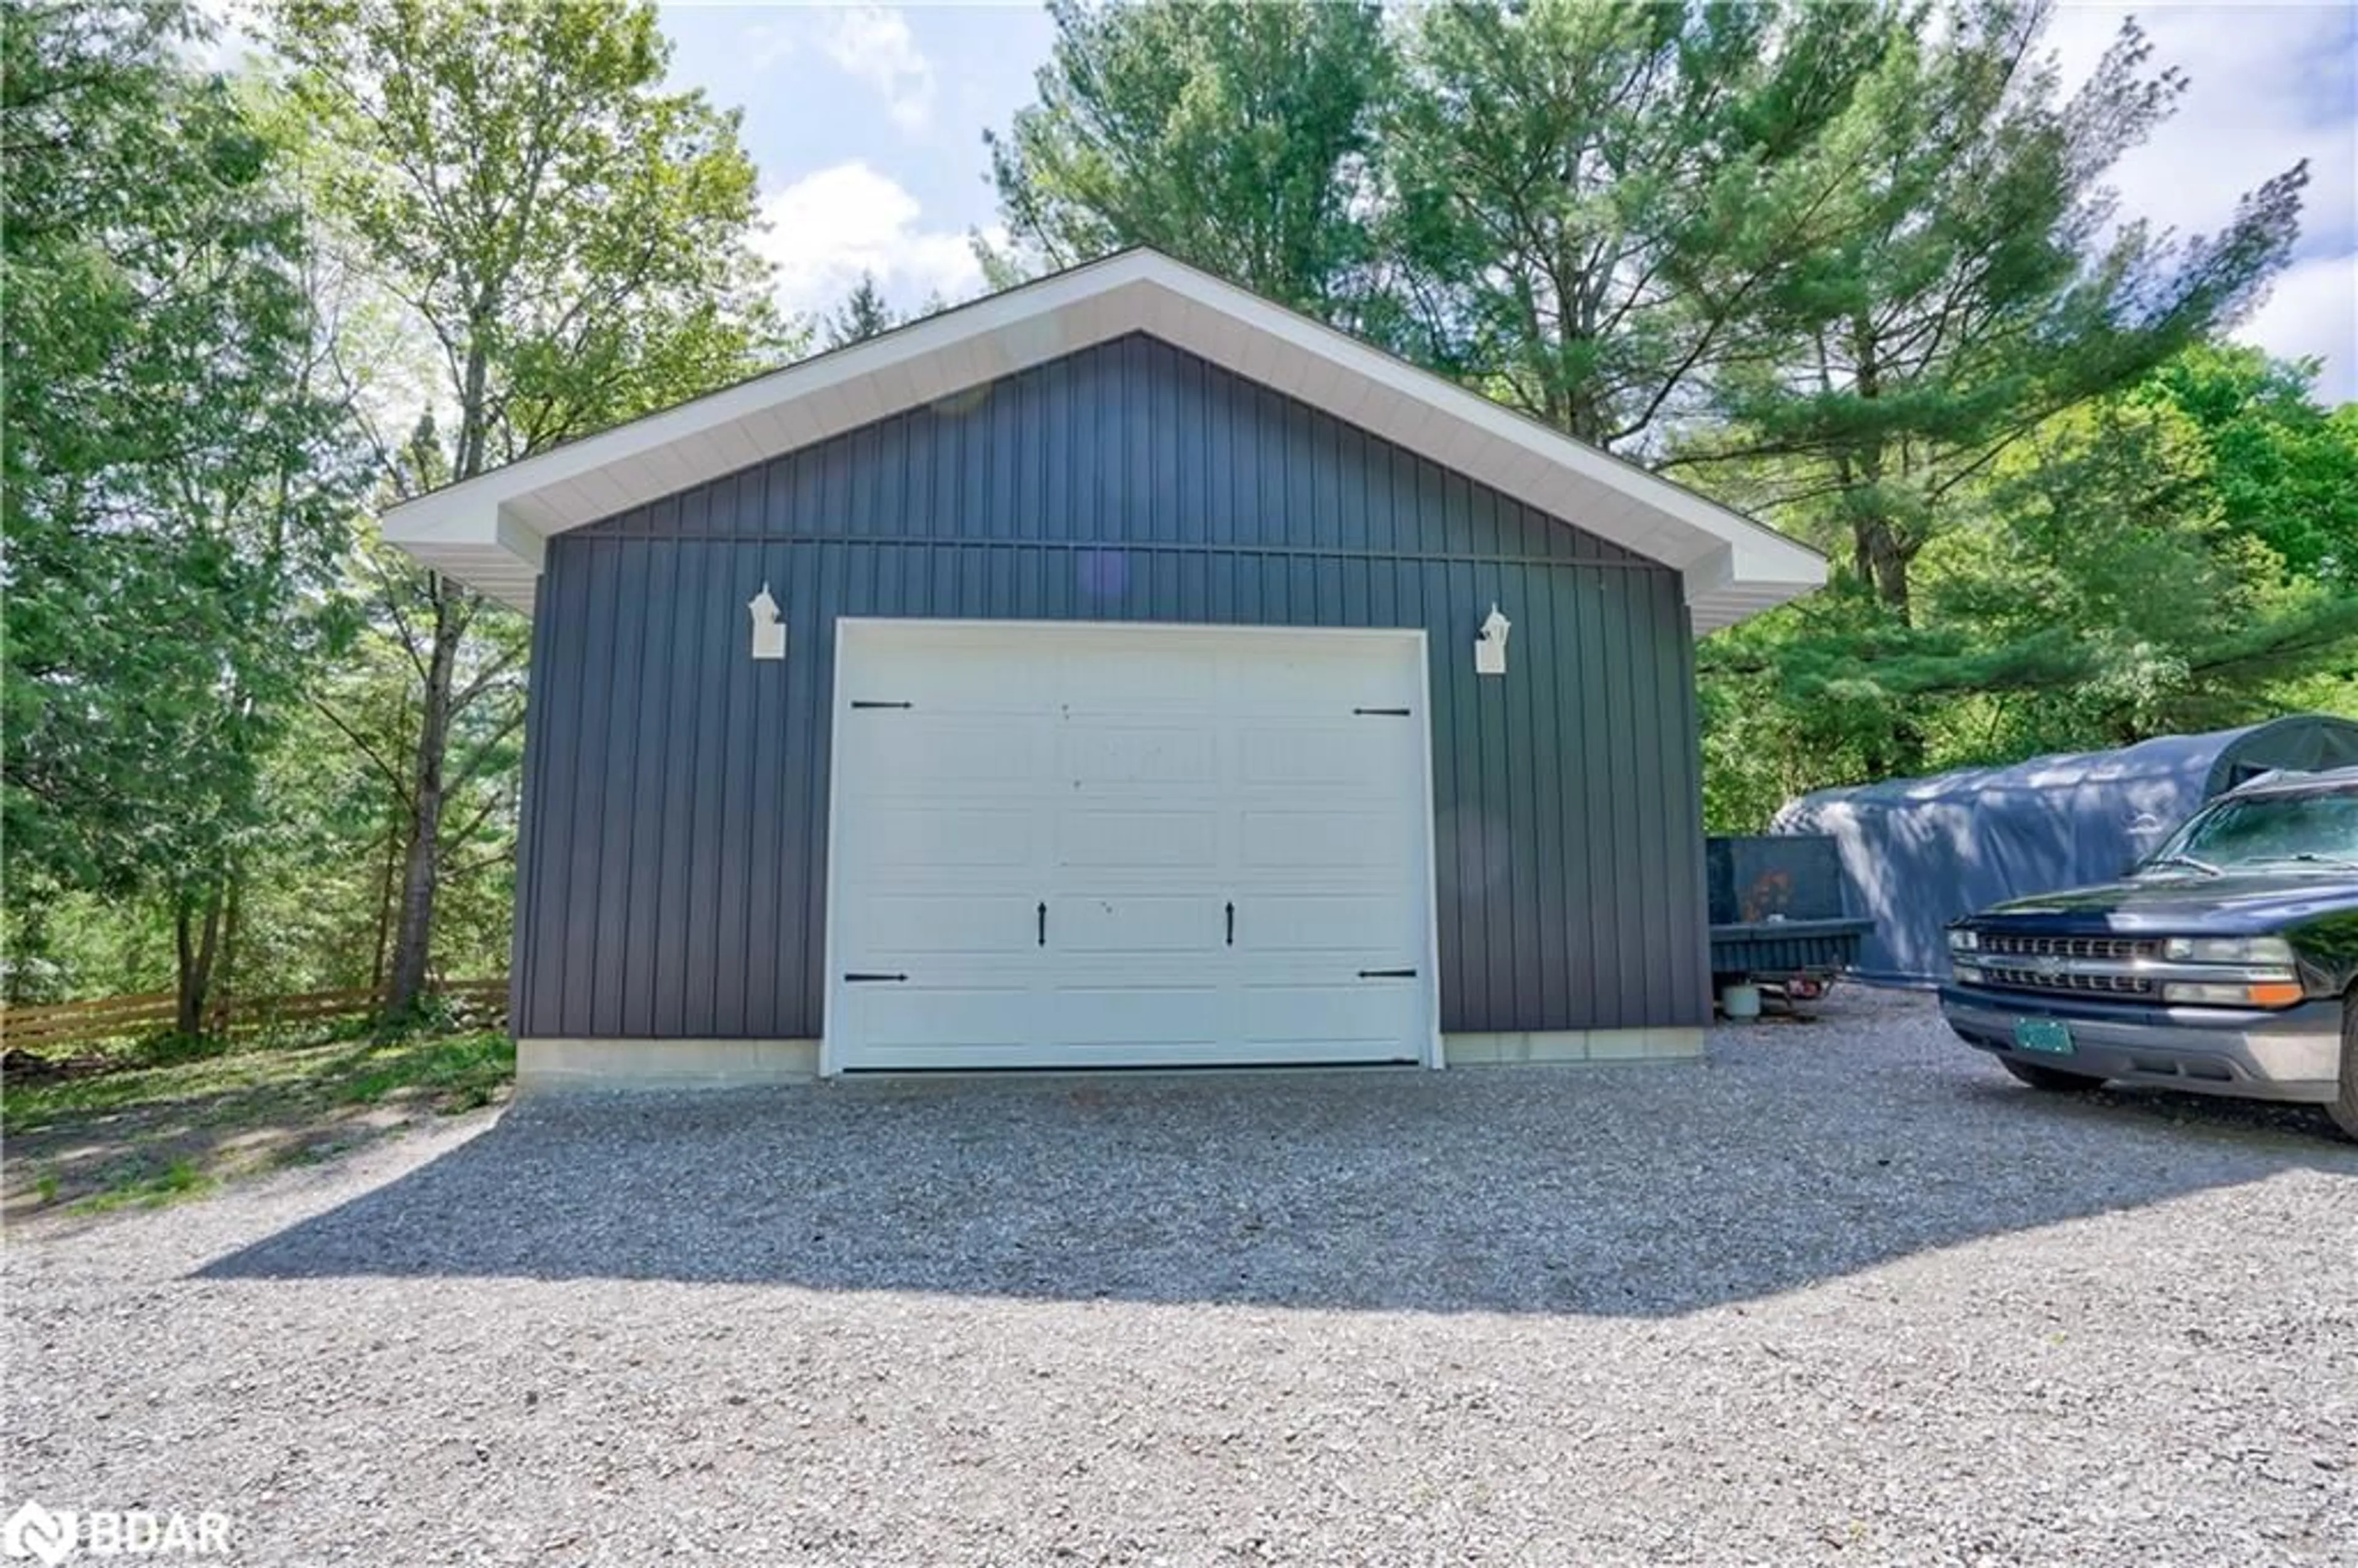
x=1118, y=756
x=1118, y=841
x=1360, y=841
x=1365, y=1014
x=1356, y=758
x=926, y=924
x=1125, y=675
x=945, y=674
x=939, y=837
x=1278, y=926
x=1333, y=672
x=1084, y=1057
x=1170, y=1016
x=1124, y=924
x=899, y=755
x=887, y=1019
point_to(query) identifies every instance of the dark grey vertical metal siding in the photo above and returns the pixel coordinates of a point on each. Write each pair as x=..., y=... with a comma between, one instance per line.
x=673, y=868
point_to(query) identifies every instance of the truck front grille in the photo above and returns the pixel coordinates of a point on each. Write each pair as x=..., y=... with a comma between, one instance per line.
x=2003, y=944
x=2077, y=984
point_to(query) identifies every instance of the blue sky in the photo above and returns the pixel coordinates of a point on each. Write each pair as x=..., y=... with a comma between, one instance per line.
x=867, y=123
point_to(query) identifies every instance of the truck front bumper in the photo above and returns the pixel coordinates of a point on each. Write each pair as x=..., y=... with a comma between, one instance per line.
x=2291, y=1054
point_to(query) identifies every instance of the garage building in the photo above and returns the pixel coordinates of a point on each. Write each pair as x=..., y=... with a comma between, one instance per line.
x=1117, y=671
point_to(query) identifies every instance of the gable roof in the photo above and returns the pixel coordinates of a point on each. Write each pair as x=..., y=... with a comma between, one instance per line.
x=490, y=531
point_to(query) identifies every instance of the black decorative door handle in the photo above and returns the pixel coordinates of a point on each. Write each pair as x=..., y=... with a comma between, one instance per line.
x=1232, y=925
x=1043, y=923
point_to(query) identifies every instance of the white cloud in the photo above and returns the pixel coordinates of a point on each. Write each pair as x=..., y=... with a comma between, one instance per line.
x=765, y=44
x=2268, y=85
x=872, y=44
x=2313, y=313
x=827, y=228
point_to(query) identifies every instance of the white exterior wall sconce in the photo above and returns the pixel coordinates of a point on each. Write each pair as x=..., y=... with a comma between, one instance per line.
x=769, y=630
x=1490, y=644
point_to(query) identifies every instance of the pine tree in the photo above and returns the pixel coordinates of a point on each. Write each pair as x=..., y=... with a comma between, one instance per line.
x=1236, y=137
x=862, y=315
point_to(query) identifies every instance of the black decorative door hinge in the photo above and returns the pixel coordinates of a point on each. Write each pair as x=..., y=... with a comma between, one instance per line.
x=862, y=702
x=862, y=978
x=1388, y=974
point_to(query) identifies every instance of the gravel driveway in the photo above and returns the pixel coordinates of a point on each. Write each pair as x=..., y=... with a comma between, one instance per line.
x=1843, y=1293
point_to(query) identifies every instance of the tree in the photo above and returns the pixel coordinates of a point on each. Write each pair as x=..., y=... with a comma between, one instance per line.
x=1586, y=202
x=177, y=484
x=2103, y=579
x=1236, y=137
x=572, y=240
x=864, y=315
x=1979, y=284
x=2287, y=470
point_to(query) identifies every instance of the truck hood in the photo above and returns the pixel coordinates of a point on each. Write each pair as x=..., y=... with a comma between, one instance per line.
x=2237, y=903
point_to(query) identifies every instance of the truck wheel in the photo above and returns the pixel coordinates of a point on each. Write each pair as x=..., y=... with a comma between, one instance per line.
x=2039, y=1077
x=2344, y=1107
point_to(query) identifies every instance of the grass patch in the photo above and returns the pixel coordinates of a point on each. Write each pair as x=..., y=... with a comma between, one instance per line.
x=461, y=1071
x=180, y=1179
x=161, y=1131
x=470, y=1068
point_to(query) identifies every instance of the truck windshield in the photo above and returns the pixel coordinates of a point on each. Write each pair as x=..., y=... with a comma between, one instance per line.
x=2289, y=831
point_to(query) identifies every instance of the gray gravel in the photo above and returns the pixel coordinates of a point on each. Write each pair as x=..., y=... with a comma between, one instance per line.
x=1841, y=1294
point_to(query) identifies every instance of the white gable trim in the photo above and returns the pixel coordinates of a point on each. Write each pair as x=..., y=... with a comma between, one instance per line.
x=490, y=531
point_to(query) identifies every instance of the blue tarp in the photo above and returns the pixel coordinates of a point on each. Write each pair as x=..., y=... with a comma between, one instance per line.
x=1919, y=853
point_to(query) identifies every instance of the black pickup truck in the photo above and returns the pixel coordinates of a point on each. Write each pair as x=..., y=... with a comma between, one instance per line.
x=2226, y=962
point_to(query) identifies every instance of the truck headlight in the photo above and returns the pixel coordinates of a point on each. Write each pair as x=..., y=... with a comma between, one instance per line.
x=1964, y=939
x=1967, y=974
x=2227, y=950
x=2220, y=993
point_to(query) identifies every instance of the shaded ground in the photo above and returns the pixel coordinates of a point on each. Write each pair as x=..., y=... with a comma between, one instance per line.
x=1843, y=1293
x=175, y=1129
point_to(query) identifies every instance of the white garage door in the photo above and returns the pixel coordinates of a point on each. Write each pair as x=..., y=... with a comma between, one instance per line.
x=1080, y=846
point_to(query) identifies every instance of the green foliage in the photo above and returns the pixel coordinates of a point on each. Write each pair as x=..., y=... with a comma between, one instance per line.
x=1979, y=286
x=570, y=234
x=2287, y=470
x=1236, y=137
x=2105, y=579
x=515, y=186
x=864, y=315
x=177, y=481
x=1586, y=201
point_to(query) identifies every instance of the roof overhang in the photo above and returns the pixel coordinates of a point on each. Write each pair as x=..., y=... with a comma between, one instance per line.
x=490, y=532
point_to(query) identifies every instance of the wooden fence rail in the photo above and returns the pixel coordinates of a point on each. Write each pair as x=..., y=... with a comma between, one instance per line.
x=63, y=1025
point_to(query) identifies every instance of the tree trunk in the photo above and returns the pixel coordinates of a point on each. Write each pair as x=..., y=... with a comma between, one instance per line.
x=1877, y=550
x=1881, y=561
x=385, y=885
x=195, y=947
x=421, y=870
x=232, y=922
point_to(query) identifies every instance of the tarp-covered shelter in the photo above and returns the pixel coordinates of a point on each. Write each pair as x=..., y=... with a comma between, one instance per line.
x=1918, y=853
